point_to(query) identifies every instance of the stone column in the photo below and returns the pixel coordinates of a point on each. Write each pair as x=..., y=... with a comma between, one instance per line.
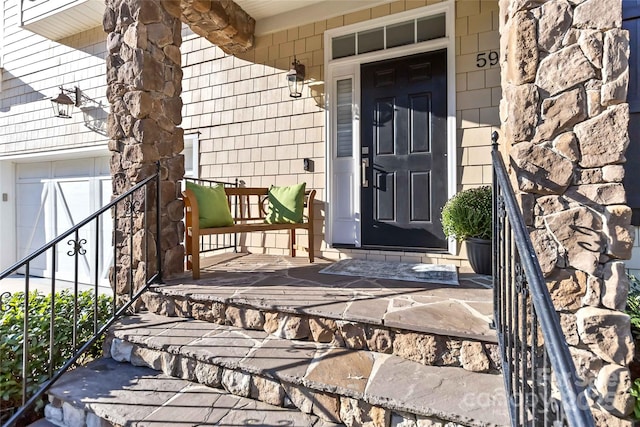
x=144, y=79
x=564, y=124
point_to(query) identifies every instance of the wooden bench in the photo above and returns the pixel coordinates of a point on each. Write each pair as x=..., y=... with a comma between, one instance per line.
x=248, y=206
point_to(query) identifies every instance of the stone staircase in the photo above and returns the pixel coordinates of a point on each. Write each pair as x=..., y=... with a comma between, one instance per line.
x=203, y=356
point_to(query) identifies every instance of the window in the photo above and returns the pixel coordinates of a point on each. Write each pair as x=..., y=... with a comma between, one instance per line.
x=344, y=125
x=431, y=27
x=400, y=34
x=389, y=36
x=343, y=46
x=371, y=40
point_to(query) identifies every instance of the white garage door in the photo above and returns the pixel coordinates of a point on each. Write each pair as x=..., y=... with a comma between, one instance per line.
x=51, y=198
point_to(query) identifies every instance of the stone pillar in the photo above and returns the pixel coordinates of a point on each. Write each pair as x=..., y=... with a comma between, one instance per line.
x=564, y=124
x=144, y=79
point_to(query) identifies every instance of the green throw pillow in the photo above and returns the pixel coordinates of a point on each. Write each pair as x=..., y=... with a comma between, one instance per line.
x=286, y=204
x=213, y=208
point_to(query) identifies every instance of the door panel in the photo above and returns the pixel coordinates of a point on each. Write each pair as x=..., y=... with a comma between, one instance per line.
x=419, y=123
x=404, y=147
x=385, y=126
x=420, y=205
x=385, y=198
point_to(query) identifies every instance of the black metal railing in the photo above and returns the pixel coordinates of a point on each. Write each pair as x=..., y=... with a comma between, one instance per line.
x=543, y=388
x=218, y=242
x=133, y=212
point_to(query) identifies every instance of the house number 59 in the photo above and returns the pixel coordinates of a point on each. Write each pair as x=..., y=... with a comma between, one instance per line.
x=487, y=59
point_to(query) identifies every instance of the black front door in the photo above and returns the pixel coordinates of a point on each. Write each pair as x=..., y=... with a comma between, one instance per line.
x=404, y=149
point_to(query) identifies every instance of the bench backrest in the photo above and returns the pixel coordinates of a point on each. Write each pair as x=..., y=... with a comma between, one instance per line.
x=250, y=204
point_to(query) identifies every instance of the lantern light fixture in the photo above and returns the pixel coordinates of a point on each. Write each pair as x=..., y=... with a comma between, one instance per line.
x=295, y=78
x=63, y=104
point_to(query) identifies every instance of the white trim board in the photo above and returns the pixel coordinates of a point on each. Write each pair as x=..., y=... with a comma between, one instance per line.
x=40, y=156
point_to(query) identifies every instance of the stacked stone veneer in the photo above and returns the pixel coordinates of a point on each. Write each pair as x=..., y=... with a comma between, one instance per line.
x=427, y=349
x=144, y=78
x=144, y=85
x=310, y=397
x=564, y=121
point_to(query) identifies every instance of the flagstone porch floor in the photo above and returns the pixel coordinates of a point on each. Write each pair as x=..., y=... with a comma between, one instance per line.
x=294, y=285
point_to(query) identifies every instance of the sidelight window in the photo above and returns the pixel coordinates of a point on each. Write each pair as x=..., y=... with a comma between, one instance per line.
x=344, y=125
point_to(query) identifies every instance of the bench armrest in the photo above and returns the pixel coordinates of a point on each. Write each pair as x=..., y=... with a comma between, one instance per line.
x=192, y=214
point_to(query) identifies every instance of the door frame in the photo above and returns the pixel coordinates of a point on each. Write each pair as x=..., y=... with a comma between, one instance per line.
x=349, y=67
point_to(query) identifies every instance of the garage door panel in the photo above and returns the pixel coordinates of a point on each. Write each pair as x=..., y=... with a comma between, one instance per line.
x=72, y=203
x=32, y=214
x=103, y=167
x=29, y=240
x=41, y=170
x=32, y=221
x=73, y=168
x=51, y=203
x=106, y=243
x=32, y=194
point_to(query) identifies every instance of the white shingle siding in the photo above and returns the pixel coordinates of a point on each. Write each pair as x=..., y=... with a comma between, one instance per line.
x=249, y=128
x=34, y=68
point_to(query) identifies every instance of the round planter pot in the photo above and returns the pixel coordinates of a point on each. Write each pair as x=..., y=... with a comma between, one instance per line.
x=479, y=253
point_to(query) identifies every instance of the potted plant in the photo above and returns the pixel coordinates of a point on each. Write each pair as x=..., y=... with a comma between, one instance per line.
x=467, y=217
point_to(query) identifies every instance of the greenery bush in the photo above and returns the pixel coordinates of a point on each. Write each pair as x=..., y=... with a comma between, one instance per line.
x=11, y=338
x=468, y=214
x=633, y=310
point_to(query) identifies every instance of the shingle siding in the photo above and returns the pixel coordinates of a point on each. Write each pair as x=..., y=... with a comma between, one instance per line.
x=249, y=128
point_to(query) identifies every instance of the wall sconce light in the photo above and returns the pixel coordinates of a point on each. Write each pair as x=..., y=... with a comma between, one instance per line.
x=295, y=79
x=63, y=105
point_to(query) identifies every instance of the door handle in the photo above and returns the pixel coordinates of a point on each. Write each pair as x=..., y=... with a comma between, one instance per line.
x=365, y=165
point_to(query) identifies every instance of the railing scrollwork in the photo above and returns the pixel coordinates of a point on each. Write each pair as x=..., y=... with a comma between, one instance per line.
x=4, y=295
x=141, y=199
x=543, y=388
x=78, y=247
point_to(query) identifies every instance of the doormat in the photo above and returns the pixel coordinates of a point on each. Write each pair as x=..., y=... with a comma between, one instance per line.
x=445, y=274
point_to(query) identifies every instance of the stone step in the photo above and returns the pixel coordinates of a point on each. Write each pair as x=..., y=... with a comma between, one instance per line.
x=428, y=323
x=108, y=393
x=336, y=384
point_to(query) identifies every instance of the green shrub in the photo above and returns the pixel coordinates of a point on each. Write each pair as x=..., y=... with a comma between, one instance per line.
x=633, y=306
x=633, y=310
x=468, y=214
x=635, y=392
x=11, y=338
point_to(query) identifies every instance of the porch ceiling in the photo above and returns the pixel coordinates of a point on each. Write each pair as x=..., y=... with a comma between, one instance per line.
x=275, y=15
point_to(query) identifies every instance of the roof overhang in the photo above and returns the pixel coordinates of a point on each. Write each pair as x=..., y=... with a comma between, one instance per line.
x=56, y=20
x=276, y=15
